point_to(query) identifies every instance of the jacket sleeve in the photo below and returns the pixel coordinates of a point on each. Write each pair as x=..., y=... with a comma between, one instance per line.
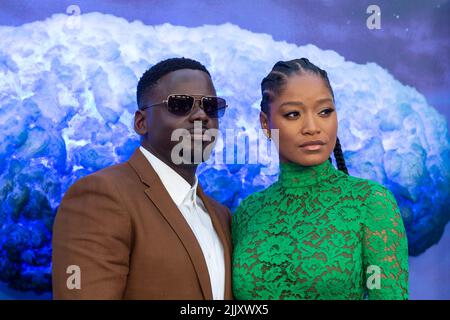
x=91, y=242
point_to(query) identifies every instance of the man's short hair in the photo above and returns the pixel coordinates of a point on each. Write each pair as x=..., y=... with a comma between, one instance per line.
x=152, y=75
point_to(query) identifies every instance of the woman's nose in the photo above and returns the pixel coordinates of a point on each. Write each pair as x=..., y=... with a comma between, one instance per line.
x=310, y=125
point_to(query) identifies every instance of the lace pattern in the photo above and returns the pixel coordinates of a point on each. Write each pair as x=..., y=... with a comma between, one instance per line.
x=319, y=234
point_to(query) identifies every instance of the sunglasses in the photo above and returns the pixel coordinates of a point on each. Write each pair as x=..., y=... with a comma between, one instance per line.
x=182, y=104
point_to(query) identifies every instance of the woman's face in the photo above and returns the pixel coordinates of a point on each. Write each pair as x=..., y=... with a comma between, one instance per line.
x=303, y=111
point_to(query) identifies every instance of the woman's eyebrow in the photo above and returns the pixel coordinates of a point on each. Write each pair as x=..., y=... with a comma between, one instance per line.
x=294, y=103
x=301, y=104
x=324, y=100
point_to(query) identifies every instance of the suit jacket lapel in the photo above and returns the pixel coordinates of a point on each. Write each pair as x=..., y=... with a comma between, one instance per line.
x=224, y=238
x=158, y=194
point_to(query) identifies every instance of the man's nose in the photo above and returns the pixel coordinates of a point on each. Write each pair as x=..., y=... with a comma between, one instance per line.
x=198, y=113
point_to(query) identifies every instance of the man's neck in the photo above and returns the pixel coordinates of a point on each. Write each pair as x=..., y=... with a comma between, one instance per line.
x=186, y=171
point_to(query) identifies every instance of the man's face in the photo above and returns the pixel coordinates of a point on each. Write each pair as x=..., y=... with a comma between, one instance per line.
x=156, y=124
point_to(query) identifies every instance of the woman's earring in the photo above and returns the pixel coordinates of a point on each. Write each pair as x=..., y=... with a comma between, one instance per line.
x=269, y=136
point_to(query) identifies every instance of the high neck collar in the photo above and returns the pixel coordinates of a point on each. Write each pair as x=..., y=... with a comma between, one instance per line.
x=293, y=175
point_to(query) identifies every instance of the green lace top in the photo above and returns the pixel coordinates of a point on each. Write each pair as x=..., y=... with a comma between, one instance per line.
x=318, y=233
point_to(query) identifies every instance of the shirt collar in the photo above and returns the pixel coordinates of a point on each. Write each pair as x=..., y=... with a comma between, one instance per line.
x=177, y=187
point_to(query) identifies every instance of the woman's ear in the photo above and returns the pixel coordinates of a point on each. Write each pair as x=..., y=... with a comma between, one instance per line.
x=264, y=120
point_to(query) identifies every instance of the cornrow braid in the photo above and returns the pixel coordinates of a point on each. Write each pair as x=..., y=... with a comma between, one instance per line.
x=274, y=82
x=340, y=161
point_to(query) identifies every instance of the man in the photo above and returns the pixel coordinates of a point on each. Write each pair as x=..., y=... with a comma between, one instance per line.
x=144, y=229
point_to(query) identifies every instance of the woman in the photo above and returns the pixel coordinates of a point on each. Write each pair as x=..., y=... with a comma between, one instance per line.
x=316, y=233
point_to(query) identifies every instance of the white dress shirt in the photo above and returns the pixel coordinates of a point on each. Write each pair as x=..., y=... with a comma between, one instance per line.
x=194, y=212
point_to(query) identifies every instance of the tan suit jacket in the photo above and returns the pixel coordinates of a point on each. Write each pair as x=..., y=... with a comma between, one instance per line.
x=121, y=228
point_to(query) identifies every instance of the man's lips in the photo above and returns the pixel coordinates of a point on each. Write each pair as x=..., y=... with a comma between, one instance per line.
x=199, y=134
x=197, y=131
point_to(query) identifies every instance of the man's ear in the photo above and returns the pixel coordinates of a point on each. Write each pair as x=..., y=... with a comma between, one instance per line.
x=264, y=120
x=140, y=123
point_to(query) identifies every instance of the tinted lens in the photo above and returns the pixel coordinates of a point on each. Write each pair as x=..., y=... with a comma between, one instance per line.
x=214, y=107
x=180, y=104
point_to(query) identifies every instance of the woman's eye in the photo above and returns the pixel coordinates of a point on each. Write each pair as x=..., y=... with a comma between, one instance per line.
x=327, y=112
x=292, y=115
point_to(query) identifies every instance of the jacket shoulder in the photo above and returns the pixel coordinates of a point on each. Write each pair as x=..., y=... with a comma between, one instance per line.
x=115, y=174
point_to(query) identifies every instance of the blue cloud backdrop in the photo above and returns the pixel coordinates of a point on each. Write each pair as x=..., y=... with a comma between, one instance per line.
x=67, y=99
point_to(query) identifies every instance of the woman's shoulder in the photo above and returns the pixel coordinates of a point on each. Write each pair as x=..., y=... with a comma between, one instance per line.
x=378, y=200
x=364, y=189
x=257, y=198
x=377, y=203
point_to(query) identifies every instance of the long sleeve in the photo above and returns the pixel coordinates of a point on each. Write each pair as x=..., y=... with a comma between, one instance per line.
x=385, y=250
x=92, y=232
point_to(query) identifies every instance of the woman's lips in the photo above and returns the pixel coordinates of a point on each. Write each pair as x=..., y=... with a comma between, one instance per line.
x=312, y=147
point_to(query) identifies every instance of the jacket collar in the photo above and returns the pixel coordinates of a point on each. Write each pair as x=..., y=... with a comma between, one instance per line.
x=158, y=194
